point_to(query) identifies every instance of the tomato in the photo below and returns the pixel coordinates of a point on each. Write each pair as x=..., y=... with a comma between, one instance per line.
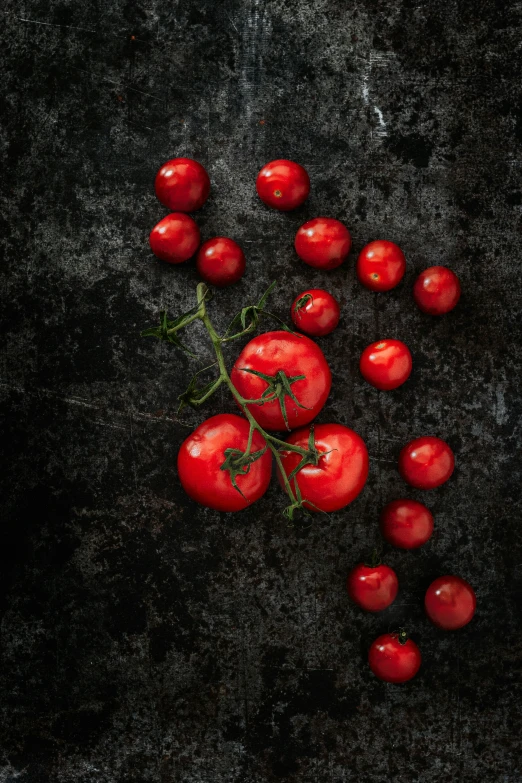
x=323, y=243
x=175, y=238
x=406, y=523
x=221, y=261
x=315, y=312
x=372, y=587
x=381, y=265
x=182, y=185
x=386, y=364
x=295, y=375
x=436, y=290
x=394, y=658
x=426, y=462
x=202, y=456
x=283, y=185
x=341, y=470
x=450, y=602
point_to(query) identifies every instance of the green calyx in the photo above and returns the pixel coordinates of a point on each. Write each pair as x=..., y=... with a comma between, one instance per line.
x=279, y=387
x=302, y=302
x=238, y=463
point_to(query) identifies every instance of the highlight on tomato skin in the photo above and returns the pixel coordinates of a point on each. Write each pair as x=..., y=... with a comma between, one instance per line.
x=386, y=364
x=315, y=312
x=283, y=185
x=381, y=265
x=450, y=602
x=182, y=185
x=175, y=239
x=426, y=463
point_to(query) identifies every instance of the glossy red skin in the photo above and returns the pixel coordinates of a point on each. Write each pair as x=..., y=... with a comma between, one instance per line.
x=340, y=475
x=426, y=463
x=221, y=262
x=406, y=523
x=182, y=185
x=381, y=265
x=283, y=185
x=175, y=238
x=373, y=588
x=296, y=355
x=436, y=290
x=319, y=316
x=392, y=661
x=202, y=454
x=450, y=602
x=323, y=243
x=386, y=364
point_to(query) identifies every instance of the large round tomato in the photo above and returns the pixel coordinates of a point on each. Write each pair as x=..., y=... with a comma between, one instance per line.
x=202, y=462
x=450, y=602
x=341, y=470
x=291, y=371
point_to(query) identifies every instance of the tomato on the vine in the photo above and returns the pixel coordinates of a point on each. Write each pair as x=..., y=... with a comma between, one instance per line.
x=175, y=238
x=426, y=462
x=323, y=243
x=221, y=261
x=283, y=185
x=450, y=602
x=315, y=312
x=288, y=374
x=182, y=185
x=386, y=364
x=381, y=265
x=205, y=454
x=436, y=290
x=406, y=523
x=372, y=587
x=394, y=658
x=338, y=474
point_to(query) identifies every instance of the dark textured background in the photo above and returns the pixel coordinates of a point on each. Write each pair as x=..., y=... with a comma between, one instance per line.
x=144, y=638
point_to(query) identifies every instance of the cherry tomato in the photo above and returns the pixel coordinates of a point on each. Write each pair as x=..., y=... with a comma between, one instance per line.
x=386, y=364
x=372, y=587
x=426, y=462
x=290, y=370
x=450, y=602
x=394, y=658
x=175, y=238
x=406, y=523
x=202, y=456
x=221, y=261
x=315, y=312
x=340, y=473
x=283, y=185
x=436, y=290
x=323, y=243
x=381, y=265
x=182, y=185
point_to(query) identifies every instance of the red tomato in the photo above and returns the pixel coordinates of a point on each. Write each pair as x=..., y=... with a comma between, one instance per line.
x=372, y=587
x=315, y=312
x=381, y=265
x=285, y=360
x=386, y=364
x=436, y=290
x=221, y=262
x=182, y=185
x=341, y=471
x=394, y=658
x=323, y=243
x=450, y=602
x=175, y=238
x=406, y=523
x=202, y=456
x=283, y=185
x=426, y=462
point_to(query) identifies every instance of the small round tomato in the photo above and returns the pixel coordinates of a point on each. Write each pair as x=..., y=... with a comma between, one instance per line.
x=182, y=185
x=283, y=185
x=323, y=243
x=436, y=290
x=426, y=462
x=386, y=364
x=315, y=312
x=381, y=265
x=450, y=602
x=221, y=261
x=202, y=462
x=406, y=523
x=394, y=658
x=341, y=470
x=175, y=238
x=372, y=587
x=288, y=374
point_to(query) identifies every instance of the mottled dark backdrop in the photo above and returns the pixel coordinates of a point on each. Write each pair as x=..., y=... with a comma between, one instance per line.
x=144, y=638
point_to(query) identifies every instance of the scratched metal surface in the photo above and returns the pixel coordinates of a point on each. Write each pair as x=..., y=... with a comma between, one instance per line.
x=147, y=639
